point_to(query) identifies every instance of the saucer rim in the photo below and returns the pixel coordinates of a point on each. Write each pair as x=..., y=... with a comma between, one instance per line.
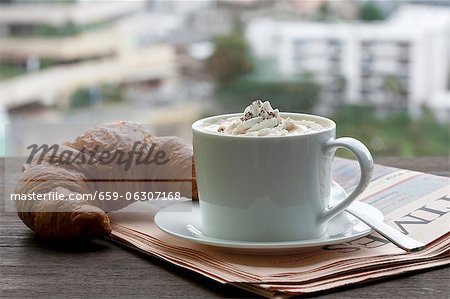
x=267, y=245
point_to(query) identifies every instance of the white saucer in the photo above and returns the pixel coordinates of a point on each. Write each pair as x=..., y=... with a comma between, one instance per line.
x=183, y=220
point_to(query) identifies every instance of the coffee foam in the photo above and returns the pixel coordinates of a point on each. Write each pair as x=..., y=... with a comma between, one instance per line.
x=260, y=119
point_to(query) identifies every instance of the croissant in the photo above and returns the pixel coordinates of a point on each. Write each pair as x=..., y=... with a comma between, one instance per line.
x=137, y=161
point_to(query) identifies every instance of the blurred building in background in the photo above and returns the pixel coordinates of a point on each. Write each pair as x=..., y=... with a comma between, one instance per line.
x=402, y=62
x=167, y=63
x=63, y=48
x=99, y=61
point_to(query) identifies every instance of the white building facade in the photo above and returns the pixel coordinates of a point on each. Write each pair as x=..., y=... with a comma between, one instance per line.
x=401, y=62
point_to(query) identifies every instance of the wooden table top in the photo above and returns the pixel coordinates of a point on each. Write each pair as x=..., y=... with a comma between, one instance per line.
x=37, y=268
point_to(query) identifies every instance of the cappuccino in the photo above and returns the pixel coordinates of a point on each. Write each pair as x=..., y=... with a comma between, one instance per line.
x=265, y=176
x=260, y=119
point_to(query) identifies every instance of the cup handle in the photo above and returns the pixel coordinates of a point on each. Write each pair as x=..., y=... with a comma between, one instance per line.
x=365, y=160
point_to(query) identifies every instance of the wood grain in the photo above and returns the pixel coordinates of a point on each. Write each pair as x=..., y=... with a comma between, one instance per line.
x=31, y=267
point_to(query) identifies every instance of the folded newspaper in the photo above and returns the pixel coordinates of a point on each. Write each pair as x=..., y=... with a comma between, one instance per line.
x=415, y=203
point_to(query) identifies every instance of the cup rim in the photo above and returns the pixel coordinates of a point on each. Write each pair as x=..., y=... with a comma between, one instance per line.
x=332, y=126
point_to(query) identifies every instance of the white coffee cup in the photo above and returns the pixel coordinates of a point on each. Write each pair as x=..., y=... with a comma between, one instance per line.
x=270, y=188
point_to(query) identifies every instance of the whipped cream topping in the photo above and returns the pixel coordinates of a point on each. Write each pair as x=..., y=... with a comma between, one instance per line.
x=260, y=119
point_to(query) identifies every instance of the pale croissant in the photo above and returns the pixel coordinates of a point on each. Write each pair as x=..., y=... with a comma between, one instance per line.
x=66, y=219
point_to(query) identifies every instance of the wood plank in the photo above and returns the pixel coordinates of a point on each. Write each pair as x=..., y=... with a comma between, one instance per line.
x=34, y=267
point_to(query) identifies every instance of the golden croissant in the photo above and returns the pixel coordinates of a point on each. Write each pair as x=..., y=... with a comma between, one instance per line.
x=75, y=168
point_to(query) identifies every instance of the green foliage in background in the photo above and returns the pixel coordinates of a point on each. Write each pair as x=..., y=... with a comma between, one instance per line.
x=396, y=134
x=67, y=29
x=9, y=70
x=241, y=78
x=369, y=11
x=393, y=84
x=231, y=58
x=80, y=98
x=87, y=97
x=324, y=13
x=293, y=96
x=46, y=63
x=46, y=30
